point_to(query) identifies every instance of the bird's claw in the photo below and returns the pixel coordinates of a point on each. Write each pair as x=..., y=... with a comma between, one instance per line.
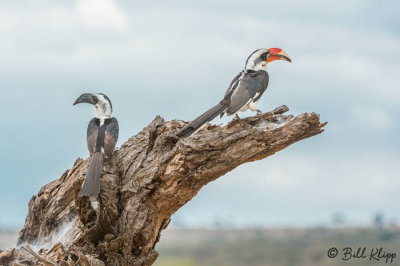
x=259, y=112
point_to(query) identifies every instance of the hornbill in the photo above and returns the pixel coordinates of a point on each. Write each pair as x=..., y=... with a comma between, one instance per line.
x=102, y=135
x=244, y=92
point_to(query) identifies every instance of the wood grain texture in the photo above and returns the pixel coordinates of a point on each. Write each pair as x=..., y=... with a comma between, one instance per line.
x=144, y=182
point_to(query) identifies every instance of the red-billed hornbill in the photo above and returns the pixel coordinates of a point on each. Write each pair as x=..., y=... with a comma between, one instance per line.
x=102, y=135
x=244, y=92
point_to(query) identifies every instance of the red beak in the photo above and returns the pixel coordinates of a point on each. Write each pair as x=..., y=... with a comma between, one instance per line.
x=278, y=54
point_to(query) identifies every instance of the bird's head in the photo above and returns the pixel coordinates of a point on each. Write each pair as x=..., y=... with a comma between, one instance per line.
x=259, y=59
x=100, y=101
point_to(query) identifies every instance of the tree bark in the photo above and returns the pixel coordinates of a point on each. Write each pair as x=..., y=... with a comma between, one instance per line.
x=144, y=182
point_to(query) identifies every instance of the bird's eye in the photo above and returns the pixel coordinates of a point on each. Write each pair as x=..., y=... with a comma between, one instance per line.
x=264, y=56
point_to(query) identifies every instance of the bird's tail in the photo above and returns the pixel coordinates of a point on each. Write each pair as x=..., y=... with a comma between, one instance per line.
x=91, y=185
x=196, y=124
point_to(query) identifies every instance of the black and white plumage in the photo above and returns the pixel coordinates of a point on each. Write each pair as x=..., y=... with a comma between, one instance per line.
x=244, y=92
x=102, y=136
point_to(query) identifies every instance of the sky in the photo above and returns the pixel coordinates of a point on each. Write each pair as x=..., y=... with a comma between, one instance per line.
x=176, y=59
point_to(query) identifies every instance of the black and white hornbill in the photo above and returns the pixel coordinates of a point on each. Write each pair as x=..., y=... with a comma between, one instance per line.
x=244, y=92
x=102, y=135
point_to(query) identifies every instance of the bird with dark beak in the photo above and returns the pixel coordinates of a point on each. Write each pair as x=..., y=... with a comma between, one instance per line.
x=244, y=92
x=102, y=136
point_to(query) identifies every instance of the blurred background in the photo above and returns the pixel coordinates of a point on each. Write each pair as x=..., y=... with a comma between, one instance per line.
x=176, y=59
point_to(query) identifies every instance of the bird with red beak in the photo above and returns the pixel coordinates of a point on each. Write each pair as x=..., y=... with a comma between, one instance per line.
x=244, y=91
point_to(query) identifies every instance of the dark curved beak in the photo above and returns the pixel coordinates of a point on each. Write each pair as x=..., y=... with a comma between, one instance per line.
x=85, y=98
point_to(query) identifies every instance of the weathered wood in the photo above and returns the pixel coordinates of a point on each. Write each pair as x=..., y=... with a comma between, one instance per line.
x=149, y=178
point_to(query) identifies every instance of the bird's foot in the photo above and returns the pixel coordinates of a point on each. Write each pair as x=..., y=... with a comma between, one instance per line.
x=236, y=117
x=259, y=112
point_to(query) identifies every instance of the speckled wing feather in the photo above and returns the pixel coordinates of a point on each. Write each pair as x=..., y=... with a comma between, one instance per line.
x=111, y=137
x=92, y=133
x=233, y=85
x=249, y=88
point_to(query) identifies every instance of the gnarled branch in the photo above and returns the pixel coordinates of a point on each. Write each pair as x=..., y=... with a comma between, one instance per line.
x=149, y=178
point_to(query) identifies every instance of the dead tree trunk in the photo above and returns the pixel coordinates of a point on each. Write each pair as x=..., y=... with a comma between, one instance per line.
x=149, y=178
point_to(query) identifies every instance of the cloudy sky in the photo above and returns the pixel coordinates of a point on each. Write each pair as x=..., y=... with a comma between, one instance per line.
x=176, y=58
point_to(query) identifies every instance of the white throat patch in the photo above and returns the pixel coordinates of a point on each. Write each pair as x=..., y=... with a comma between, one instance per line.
x=103, y=107
x=251, y=61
